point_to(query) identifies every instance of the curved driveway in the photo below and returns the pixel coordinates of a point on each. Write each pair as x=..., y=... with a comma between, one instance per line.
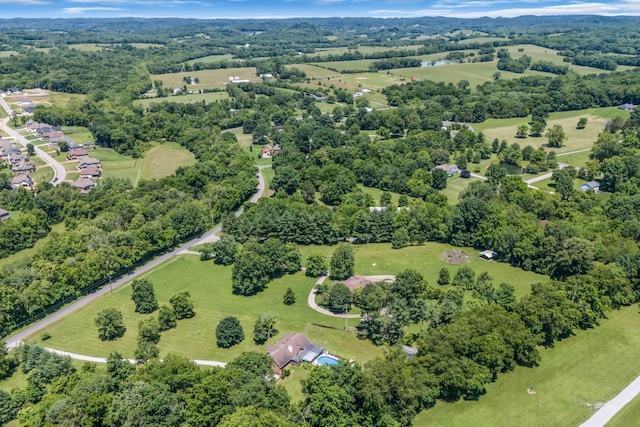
x=15, y=339
x=59, y=172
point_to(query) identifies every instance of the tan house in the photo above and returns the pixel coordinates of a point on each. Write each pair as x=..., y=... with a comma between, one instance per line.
x=83, y=185
x=76, y=153
x=87, y=161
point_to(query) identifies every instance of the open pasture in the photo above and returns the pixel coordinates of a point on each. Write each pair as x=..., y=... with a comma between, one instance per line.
x=209, y=79
x=184, y=99
x=578, y=139
x=573, y=379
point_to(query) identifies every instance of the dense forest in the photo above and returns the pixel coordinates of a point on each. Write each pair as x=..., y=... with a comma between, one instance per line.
x=467, y=335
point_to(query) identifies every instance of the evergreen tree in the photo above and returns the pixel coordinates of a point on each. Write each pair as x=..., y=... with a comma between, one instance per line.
x=444, y=278
x=289, y=297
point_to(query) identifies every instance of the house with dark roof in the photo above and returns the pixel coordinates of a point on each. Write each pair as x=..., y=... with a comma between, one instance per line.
x=21, y=181
x=627, y=107
x=83, y=185
x=293, y=349
x=24, y=168
x=76, y=153
x=8, y=150
x=4, y=215
x=90, y=172
x=85, y=162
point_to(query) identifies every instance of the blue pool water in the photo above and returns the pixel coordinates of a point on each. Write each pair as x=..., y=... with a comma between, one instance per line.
x=327, y=360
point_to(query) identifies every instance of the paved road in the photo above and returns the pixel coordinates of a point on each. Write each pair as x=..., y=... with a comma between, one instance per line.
x=475, y=175
x=612, y=407
x=212, y=236
x=15, y=339
x=59, y=172
x=545, y=176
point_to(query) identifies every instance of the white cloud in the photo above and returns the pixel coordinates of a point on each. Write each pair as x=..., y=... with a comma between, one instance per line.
x=81, y=10
x=24, y=2
x=630, y=7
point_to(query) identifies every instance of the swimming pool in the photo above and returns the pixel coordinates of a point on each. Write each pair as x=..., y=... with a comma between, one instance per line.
x=327, y=360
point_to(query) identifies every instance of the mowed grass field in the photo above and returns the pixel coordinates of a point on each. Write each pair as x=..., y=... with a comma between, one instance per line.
x=578, y=139
x=160, y=161
x=628, y=416
x=210, y=58
x=380, y=258
x=573, y=379
x=210, y=288
x=209, y=79
x=190, y=97
x=314, y=71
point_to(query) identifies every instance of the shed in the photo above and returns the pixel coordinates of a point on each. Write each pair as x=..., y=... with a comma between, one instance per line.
x=488, y=254
x=4, y=215
x=410, y=351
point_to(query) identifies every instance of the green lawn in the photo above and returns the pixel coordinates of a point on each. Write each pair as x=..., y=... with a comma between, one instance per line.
x=292, y=382
x=314, y=71
x=573, y=378
x=159, y=161
x=43, y=174
x=379, y=258
x=26, y=254
x=163, y=160
x=191, y=97
x=208, y=78
x=17, y=380
x=210, y=58
x=210, y=288
x=455, y=186
x=628, y=416
x=578, y=139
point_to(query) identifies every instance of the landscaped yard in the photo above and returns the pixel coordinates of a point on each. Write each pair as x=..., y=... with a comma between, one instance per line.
x=572, y=380
x=379, y=258
x=210, y=288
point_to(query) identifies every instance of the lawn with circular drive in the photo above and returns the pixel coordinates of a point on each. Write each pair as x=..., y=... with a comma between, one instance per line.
x=210, y=288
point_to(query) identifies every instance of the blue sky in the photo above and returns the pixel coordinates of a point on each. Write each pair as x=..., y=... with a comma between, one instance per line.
x=315, y=8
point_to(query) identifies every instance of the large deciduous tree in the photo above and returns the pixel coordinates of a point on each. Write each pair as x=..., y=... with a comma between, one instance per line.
x=264, y=328
x=342, y=262
x=144, y=296
x=316, y=265
x=182, y=305
x=556, y=136
x=110, y=324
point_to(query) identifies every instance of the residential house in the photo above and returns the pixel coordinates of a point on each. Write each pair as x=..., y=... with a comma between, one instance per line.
x=17, y=158
x=21, y=181
x=14, y=91
x=293, y=349
x=83, y=185
x=90, y=172
x=366, y=91
x=627, y=107
x=23, y=101
x=24, y=168
x=4, y=215
x=76, y=153
x=266, y=76
x=317, y=98
x=52, y=135
x=449, y=169
x=269, y=151
x=73, y=145
x=8, y=150
x=591, y=185
x=87, y=161
x=29, y=109
x=357, y=94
